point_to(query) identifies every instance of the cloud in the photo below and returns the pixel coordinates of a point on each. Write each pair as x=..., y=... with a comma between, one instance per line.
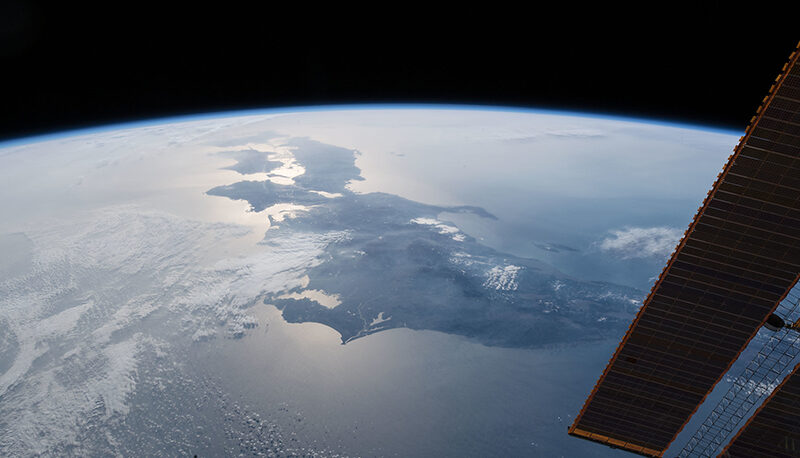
x=641, y=242
x=576, y=133
x=441, y=228
x=557, y=133
x=502, y=278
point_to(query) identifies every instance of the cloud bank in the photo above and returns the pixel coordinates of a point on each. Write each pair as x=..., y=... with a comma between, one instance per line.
x=641, y=242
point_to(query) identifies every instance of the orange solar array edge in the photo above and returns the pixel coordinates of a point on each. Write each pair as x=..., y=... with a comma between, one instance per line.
x=575, y=429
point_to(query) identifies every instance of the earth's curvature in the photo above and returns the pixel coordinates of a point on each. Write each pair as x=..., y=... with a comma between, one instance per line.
x=361, y=281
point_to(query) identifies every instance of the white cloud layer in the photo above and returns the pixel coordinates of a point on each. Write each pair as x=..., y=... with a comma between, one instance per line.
x=441, y=228
x=502, y=278
x=94, y=281
x=641, y=242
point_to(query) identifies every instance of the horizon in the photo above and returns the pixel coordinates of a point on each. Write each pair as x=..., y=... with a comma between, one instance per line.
x=288, y=110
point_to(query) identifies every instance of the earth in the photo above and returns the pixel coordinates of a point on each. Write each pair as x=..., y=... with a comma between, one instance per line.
x=349, y=281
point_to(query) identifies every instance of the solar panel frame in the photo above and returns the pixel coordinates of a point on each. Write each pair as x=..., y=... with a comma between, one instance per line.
x=736, y=262
x=774, y=429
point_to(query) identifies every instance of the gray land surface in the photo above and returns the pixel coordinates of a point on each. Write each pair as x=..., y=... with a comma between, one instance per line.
x=417, y=276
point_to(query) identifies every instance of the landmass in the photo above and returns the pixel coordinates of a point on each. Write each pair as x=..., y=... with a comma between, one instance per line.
x=401, y=266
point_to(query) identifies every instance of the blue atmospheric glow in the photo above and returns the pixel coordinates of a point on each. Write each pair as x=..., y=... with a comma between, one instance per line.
x=353, y=107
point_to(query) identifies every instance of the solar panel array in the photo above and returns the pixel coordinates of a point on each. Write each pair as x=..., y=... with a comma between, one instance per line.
x=774, y=430
x=735, y=263
x=771, y=364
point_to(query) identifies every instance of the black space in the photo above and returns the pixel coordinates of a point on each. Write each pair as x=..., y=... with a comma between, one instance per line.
x=65, y=68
